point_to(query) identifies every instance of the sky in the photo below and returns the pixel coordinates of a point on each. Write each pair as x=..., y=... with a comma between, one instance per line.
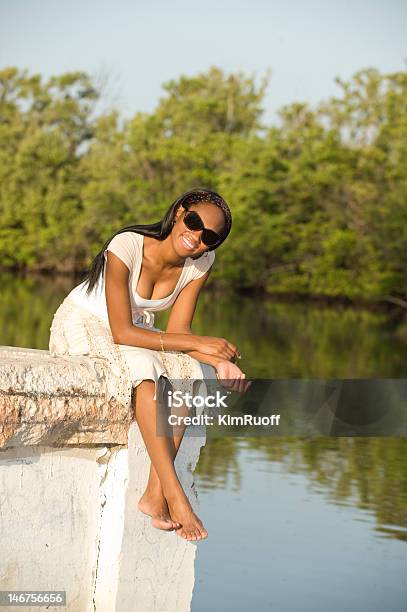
x=143, y=43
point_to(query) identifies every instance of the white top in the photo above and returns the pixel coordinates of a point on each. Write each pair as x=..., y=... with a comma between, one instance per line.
x=129, y=246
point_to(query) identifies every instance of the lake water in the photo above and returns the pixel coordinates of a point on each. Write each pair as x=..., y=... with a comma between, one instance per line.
x=294, y=523
x=302, y=525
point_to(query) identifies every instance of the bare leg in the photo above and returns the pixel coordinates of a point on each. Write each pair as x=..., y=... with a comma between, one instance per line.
x=154, y=484
x=153, y=501
x=162, y=451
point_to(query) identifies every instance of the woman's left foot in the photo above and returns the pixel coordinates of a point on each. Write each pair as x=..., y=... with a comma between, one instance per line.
x=155, y=505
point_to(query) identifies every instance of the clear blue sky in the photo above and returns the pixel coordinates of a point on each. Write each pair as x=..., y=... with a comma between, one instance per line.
x=144, y=43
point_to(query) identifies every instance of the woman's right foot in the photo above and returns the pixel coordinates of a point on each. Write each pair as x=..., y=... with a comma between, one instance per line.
x=181, y=511
x=155, y=505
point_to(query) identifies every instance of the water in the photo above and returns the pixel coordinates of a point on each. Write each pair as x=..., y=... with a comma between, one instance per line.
x=277, y=340
x=294, y=524
x=305, y=535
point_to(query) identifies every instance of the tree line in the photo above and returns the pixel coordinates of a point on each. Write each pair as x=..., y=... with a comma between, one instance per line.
x=319, y=198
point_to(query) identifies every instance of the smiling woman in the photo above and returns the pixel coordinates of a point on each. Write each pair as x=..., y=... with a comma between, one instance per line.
x=110, y=316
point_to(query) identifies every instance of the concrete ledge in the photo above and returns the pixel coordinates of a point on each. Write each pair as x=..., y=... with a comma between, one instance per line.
x=72, y=468
x=57, y=401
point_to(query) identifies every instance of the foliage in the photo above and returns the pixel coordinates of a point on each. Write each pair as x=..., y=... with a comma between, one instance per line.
x=318, y=200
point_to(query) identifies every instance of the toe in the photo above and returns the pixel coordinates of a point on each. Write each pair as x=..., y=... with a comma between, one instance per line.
x=161, y=523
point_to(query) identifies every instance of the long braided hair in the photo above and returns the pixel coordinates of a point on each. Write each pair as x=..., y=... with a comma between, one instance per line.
x=163, y=228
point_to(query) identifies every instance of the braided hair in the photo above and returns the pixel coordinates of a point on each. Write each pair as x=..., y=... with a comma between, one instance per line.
x=163, y=228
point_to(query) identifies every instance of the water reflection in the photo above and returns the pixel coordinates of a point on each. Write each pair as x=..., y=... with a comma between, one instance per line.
x=365, y=473
x=276, y=340
x=246, y=481
x=303, y=526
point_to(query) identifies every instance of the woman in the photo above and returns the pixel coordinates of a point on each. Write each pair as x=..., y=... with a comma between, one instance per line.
x=110, y=315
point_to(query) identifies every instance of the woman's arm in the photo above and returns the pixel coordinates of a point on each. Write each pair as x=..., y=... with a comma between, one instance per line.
x=119, y=314
x=180, y=320
x=182, y=313
x=124, y=332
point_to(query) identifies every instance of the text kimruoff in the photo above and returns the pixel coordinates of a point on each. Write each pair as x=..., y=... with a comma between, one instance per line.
x=225, y=419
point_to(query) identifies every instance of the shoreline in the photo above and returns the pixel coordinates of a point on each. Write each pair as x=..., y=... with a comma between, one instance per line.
x=391, y=305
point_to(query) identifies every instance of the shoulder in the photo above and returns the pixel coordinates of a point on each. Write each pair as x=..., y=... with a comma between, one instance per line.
x=126, y=245
x=199, y=266
x=126, y=238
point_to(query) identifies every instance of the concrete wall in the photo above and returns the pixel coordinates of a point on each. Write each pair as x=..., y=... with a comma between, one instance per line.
x=69, y=491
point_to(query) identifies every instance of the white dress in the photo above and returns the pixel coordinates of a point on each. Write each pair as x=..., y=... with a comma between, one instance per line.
x=81, y=327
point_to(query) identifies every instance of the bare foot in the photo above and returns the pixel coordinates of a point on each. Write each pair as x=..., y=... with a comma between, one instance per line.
x=181, y=511
x=155, y=505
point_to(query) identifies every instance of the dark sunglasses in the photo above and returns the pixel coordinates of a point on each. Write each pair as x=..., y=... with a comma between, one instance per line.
x=194, y=222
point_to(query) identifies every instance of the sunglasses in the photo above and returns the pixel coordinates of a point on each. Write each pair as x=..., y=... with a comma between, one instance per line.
x=194, y=222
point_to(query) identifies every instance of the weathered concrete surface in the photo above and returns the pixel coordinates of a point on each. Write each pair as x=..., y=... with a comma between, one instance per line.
x=69, y=490
x=69, y=521
x=50, y=521
x=56, y=401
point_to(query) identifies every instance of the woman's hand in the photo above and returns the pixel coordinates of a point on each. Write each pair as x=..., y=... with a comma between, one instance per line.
x=218, y=347
x=232, y=377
